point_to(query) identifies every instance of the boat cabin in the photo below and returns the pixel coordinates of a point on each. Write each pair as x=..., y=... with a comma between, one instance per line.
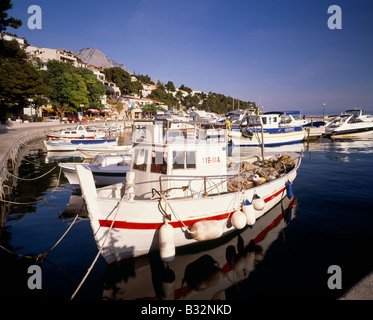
x=269, y=120
x=184, y=162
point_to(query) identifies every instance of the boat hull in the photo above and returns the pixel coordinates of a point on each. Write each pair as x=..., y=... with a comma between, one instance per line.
x=76, y=144
x=101, y=177
x=271, y=137
x=355, y=133
x=135, y=229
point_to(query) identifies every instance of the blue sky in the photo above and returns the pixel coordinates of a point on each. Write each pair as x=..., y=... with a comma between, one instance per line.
x=280, y=53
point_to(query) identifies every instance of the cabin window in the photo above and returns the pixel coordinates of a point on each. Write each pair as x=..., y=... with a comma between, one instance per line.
x=264, y=120
x=355, y=120
x=140, y=157
x=159, y=162
x=190, y=159
x=184, y=160
x=178, y=160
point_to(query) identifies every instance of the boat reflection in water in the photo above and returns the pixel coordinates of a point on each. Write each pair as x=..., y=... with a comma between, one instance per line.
x=206, y=271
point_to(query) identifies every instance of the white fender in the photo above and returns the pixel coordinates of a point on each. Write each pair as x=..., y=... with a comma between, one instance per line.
x=166, y=242
x=238, y=219
x=206, y=230
x=258, y=203
x=248, y=210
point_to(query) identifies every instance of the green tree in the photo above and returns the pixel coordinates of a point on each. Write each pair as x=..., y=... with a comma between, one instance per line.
x=95, y=88
x=19, y=80
x=182, y=87
x=170, y=86
x=144, y=79
x=72, y=87
x=121, y=78
x=5, y=22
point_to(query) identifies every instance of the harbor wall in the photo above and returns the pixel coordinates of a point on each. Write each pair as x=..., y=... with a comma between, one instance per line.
x=13, y=137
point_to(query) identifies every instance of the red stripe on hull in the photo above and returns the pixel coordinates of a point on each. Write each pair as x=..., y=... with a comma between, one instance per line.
x=157, y=225
x=174, y=224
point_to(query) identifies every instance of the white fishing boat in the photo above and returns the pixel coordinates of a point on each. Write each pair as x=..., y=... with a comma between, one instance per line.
x=74, y=144
x=264, y=129
x=353, y=123
x=179, y=192
x=106, y=169
x=79, y=132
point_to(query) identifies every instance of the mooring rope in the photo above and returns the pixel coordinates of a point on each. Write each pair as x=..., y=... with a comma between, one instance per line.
x=99, y=251
x=40, y=200
x=32, y=179
x=42, y=255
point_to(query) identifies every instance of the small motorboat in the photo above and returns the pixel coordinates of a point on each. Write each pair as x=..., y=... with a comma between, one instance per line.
x=351, y=124
x=266, y=129
x=106, y=169
x=80, y=132
x=74, y=144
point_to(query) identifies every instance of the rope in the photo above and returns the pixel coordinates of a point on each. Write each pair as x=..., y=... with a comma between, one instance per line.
x=98, y=253
x=32, y=179
x=42, y=255
x=43, y=199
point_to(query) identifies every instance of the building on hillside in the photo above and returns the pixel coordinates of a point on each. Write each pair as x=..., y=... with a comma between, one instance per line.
x=9, y=37
x=112, y=88
x=46, y=54
x=183, y=92
x=98, y=72
x=147, y=89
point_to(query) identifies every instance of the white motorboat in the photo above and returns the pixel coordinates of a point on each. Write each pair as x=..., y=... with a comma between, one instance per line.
x=264, y=129
x=106, y=169
x=353, y=123
x=74, y=144
x=179, y=192
x=80, y=132
x=90, y=151
x=292, y=119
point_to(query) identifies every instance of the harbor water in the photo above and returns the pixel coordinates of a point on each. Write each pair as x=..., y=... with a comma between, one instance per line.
x=285, y=255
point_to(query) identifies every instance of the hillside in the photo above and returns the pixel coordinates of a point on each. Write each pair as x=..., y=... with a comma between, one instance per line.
x=98, y=58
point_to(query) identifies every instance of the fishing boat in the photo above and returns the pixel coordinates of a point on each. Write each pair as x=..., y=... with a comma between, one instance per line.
x=106, y=169
x=79, y=132
x=181, y=190
x=351, y=124
x=74, y=144
x=265, y=129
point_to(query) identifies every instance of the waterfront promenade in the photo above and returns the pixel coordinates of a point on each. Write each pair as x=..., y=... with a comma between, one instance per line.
x=11, y=133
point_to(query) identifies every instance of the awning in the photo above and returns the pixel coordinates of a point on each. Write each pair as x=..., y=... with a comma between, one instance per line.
x=48, y=109
x=93, y=110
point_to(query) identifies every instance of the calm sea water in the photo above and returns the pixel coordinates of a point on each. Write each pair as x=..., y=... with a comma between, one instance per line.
x=285, y=255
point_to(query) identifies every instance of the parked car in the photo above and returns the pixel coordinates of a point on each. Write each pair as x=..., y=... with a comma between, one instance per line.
x=72, y=119
x=52, y=119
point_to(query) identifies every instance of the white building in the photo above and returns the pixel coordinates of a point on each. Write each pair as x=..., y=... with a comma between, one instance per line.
x=8, y=37
x=47, y=54
x=97, y=71
x=147, y=89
